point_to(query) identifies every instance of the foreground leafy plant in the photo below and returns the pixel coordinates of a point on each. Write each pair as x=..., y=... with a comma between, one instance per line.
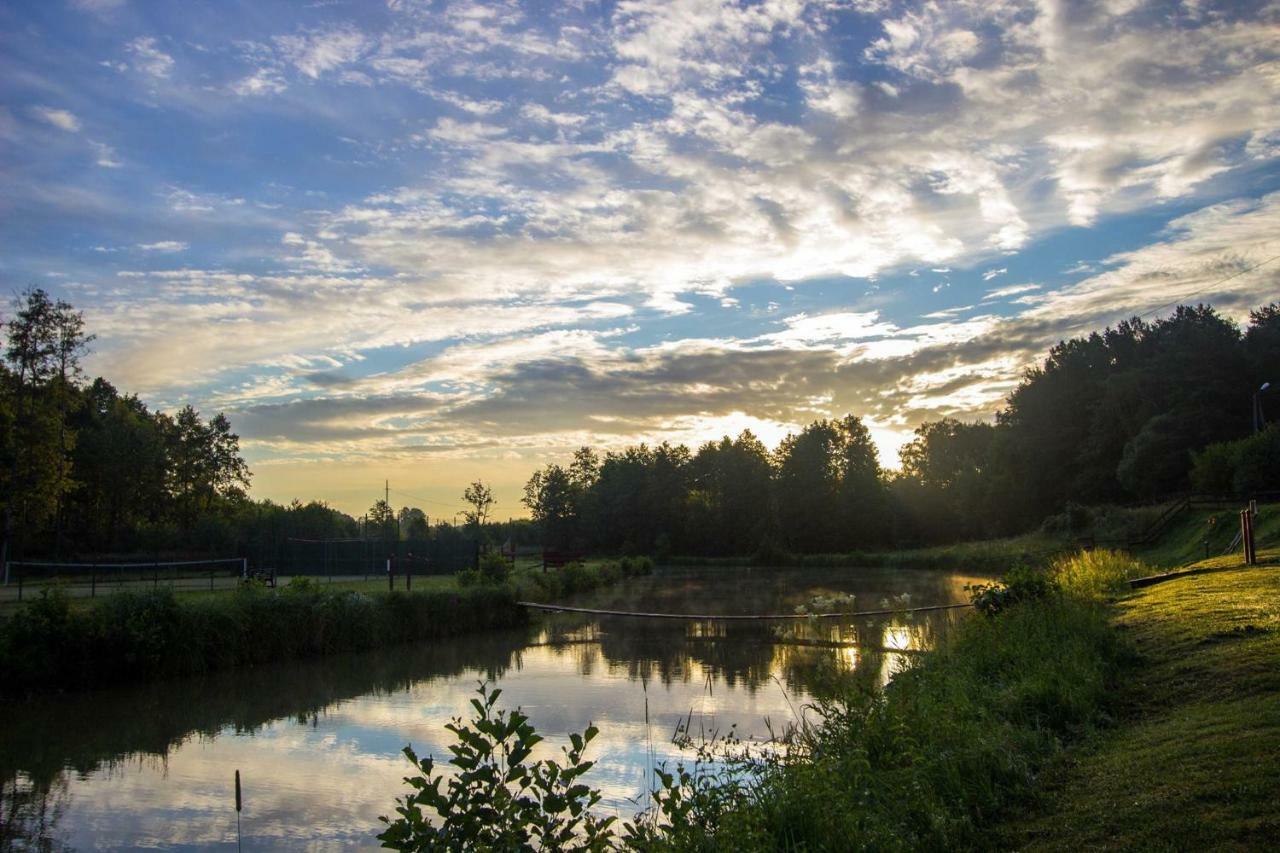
x=1020, y=584
x=497, y=799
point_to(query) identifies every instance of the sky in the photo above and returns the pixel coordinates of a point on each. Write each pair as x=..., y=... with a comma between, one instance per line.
x=429, y=242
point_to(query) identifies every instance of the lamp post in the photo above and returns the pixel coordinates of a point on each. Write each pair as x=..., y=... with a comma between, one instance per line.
x=1258, y=421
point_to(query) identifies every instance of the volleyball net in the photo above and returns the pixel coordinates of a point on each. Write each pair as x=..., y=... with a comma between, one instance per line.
x=80, y=579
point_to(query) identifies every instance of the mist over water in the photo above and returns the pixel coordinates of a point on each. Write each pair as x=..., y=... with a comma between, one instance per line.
x=318, y=743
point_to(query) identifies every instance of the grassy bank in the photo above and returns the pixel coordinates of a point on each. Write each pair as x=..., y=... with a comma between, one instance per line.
x=1193, y=760
x=137, y=636
x=958, y=737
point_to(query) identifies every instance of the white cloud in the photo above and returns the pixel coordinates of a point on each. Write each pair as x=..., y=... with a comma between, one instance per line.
x=264, y=81
x=318, y=52
x=1011, y=290
x=105, y=155
x=165, y=246
x=61, y=119
x=148, y=58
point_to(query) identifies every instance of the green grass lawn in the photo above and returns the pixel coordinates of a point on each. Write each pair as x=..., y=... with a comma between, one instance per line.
x=1193, y=762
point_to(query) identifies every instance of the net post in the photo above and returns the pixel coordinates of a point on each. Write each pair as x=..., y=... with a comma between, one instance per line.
x=391, y=579
x=244, y=567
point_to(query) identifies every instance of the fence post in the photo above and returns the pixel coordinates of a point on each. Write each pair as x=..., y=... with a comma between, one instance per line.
x=93, y=582
x=1246, y=537
x=244, y=567
x=391, y=578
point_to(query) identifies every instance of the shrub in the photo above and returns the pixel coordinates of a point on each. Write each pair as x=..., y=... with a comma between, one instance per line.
x=1020, y=584
x=302, y=585
x=494, y=567
x=468, y=577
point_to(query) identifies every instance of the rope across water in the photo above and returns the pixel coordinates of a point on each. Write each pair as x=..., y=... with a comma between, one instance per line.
x=758, y=617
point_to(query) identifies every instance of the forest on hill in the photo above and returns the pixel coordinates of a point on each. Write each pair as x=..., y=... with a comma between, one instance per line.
x=1128, y=414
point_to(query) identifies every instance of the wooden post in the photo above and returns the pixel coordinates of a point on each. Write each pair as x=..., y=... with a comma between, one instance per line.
x=391, y=578
x=1246, y=537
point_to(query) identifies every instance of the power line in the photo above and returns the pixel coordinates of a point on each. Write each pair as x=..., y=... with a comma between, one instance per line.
x=1182, y=299
x=425, y=500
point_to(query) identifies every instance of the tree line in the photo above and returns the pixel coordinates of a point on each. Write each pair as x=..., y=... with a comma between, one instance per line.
x=1130, y=414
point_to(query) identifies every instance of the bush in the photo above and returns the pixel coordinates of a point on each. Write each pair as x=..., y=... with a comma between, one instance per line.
x=494, y=567
x=1020, y=584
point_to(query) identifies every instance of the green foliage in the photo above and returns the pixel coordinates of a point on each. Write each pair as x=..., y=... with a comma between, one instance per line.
x=1100, y=573
x=497, y=798
x=1020, y=584
x=134, y=636
x=481, y=500
x=298, y=585
x=578, y=577
x=1242, y=467
x=494, y=568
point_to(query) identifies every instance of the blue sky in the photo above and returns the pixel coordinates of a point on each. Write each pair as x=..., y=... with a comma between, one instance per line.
x=434, y=241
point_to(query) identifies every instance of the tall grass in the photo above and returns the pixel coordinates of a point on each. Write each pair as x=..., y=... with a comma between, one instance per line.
x=1097, y=574
x=134, y=636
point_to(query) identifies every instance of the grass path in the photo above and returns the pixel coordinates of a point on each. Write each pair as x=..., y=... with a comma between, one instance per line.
x=1193, y=762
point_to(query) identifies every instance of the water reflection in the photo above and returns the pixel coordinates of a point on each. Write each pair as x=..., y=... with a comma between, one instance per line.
x=318, y=743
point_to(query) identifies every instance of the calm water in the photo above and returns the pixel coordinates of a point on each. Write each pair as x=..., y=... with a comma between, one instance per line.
x=318, y=743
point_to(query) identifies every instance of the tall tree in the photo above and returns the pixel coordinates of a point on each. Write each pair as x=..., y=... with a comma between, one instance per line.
x=480, y=498
x=45, y=340
x=551, y=496
x=382, y=518
x=412, y=523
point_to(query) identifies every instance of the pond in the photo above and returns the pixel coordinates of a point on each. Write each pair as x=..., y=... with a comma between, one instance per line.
x=318, y=743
